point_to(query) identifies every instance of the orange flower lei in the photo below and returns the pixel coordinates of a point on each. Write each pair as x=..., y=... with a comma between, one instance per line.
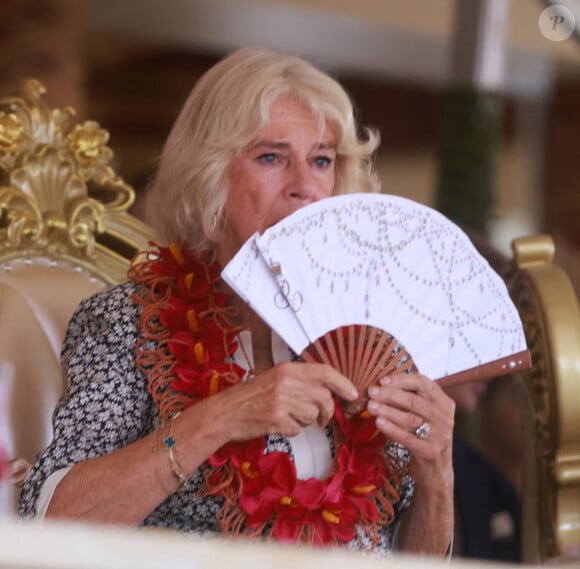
x=186, y=316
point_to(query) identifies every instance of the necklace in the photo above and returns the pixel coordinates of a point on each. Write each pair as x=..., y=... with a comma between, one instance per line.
x=186, y=352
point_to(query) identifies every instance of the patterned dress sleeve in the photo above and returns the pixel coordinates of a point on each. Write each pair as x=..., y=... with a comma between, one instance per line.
x=106, y=405
x=399, y=454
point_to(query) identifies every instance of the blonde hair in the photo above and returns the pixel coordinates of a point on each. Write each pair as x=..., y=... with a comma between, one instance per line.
x=224, y=113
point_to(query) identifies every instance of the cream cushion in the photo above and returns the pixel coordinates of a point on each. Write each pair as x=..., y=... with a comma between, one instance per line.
x=37, y=300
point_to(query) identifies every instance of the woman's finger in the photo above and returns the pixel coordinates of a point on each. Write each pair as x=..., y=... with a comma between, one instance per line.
x=395, y=396
x=414, y=382
x=408, y=421
x=326, y=375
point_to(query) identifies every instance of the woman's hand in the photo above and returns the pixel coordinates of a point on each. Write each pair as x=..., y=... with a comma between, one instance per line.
x=281, y=400
x=401, y=404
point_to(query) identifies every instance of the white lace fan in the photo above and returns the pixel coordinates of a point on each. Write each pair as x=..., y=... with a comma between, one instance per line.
x=370, y=282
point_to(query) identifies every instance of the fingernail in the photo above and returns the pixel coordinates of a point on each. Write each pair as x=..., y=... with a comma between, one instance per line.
x=373, y=391
x=385, y=380
x=372, y=406
x=354, y=393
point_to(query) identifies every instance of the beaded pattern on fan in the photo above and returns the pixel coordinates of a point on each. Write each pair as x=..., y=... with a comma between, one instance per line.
x=386, y=262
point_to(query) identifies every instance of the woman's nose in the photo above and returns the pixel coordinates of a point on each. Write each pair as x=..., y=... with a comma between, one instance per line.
x=302, y=183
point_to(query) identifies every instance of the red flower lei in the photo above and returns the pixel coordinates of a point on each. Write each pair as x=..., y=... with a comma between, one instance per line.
x=186, y=316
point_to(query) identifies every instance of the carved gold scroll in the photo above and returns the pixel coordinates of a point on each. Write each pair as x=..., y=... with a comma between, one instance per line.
x=551, y=317
x=59, y=195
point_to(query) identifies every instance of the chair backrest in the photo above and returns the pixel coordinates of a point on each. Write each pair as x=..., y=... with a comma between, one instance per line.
x=65, y=233
x=551, y=459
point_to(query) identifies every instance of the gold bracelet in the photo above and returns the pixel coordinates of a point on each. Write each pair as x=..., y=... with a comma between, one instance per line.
x=171, y=444
x=155, y=461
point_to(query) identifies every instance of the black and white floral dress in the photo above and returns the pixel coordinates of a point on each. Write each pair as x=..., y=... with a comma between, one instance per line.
x=107, y=406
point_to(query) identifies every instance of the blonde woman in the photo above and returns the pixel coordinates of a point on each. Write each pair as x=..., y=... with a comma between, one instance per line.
x=184, y=410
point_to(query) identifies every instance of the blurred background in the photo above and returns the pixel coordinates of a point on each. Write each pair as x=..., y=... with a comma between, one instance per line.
x=129, y=64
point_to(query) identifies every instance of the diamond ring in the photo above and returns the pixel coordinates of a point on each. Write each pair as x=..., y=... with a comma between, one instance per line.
x=423, y=430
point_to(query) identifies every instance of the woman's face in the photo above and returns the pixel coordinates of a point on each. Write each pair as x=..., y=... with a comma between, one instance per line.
x=291, y=165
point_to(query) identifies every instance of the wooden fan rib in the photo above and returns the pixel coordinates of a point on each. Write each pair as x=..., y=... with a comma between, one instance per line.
x=367, y=348
x=394, y=364
x=376, y=366
x=360, y=347
x=342, y=350
x=502, y=366
x=315, y=353
x=334, y=357
x=351, y=350
x=393, y=356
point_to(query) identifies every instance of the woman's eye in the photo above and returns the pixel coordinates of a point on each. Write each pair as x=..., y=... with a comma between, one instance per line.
x=323, y=161
x=268, y=158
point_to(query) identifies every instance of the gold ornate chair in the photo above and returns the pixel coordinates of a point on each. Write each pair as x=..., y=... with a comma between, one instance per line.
x=551, y=463
x=65, y=233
